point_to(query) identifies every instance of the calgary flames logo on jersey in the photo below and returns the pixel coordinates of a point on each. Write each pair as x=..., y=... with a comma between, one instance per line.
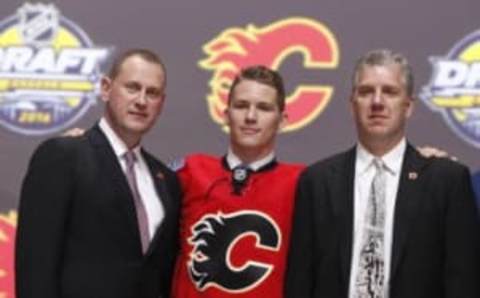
x=237, y=48
x=215, y=238
x=7, y=241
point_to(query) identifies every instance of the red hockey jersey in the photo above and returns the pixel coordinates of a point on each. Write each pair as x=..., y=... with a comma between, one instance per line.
x=233, y=244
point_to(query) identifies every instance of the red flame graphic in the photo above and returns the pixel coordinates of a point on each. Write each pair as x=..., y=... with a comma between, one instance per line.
x=236, y=48
x=7, y=241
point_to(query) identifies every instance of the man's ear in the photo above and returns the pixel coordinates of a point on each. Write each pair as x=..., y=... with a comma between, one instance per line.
x=351, y=100
x=105, y=88
x=283, y=121
x=226, y=116
x=410, y=107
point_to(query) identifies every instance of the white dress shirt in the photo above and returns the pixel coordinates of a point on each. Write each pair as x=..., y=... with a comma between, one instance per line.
x=234, y=161
x=146, y=187
x=364, y=173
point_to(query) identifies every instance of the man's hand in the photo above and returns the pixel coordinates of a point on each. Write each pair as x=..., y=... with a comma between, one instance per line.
x=74, y=132
x=429, y=151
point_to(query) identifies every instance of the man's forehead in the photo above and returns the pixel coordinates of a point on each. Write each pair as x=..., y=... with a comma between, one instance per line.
x=135, y=71
x=247, y=86
x=386, y=67
x=135, y=60
x=388, y=73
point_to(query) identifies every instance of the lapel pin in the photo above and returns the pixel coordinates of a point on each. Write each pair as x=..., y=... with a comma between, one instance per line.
x=412, y=175
x=160, y=175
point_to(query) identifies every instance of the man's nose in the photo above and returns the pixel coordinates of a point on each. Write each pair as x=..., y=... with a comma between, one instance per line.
x=377, y=97
x=141, y=98
x=251, y=114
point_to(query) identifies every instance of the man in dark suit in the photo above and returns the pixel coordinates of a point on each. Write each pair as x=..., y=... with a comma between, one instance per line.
x=98, y=215
x=380, y=220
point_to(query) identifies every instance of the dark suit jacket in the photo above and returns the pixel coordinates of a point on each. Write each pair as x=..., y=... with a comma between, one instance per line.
x=77, y=230
x=435, y=251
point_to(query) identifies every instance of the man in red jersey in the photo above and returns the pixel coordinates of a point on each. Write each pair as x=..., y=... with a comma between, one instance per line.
x=237, y=209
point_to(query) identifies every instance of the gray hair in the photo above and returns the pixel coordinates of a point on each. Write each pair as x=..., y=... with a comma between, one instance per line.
x=382, y=57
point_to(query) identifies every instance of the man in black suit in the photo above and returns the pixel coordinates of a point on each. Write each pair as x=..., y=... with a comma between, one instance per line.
x=98, y=215
x=380, y=220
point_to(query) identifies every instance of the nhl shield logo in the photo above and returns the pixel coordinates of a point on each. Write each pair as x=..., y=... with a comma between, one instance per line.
x=38, y=23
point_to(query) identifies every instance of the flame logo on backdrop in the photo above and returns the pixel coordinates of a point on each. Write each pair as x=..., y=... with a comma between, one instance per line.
x=237, y=48
x=454, y=88
x=8, y=225
x=49, y=70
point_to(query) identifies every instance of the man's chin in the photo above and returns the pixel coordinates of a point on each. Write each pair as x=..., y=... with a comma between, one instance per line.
x=136, y=128
x=375, y=133
x=138, y=124
x=249, y=144
x=377, y=130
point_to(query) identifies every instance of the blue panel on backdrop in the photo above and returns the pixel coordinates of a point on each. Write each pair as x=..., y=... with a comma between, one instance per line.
x=476, y=186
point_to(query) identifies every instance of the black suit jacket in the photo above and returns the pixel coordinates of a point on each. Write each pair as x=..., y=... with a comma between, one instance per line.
x=435, y=250
x=77, y=231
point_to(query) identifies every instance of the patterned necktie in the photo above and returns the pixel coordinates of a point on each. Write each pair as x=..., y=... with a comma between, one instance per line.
x=370, y=279
x=142, y=219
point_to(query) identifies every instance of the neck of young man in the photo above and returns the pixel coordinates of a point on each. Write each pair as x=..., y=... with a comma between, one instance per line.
x=250, y=155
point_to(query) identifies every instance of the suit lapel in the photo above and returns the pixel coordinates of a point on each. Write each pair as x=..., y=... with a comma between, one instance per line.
x=342, y=201
x=108, y=161
x=158, y=178
x=408, y=197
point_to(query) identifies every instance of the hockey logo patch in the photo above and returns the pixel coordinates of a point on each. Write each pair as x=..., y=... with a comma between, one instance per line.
x=215, y=240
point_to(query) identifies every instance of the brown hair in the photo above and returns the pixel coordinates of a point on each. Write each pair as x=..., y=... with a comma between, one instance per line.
x=262, y=75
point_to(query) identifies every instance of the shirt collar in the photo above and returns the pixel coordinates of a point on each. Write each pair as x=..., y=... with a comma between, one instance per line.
x=234, y=161
x=118, y=146
x=392, y=159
